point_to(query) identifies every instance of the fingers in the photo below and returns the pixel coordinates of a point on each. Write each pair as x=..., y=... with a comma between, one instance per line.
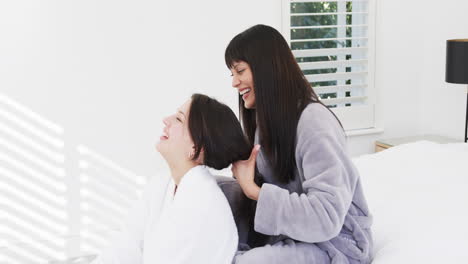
x=245, y=164
x=254, y=153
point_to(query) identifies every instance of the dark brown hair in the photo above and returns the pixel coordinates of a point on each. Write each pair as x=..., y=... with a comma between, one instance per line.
x=281, y=94
x=215, y=130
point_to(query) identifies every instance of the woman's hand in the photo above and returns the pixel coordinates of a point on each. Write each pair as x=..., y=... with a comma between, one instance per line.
x=244, y=172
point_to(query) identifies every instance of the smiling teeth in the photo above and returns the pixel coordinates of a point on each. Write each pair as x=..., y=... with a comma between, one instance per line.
x=244, y=91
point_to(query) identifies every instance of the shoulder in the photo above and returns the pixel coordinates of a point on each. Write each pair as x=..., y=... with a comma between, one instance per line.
x=155, y=188
x=201, y=187
x=317, y=118
x=209, y=205
x=320, y=137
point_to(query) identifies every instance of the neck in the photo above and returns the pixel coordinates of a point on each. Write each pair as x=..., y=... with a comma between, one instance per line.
x=178, y=171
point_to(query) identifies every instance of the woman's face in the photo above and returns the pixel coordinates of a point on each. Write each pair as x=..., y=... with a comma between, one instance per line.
x=175, y=143
x=242, y=80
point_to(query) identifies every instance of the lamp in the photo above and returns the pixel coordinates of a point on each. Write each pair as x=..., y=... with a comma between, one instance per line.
x=456, y=67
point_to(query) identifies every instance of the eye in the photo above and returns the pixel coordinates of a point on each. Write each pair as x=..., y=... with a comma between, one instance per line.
x=240, y=71
x=178, y=119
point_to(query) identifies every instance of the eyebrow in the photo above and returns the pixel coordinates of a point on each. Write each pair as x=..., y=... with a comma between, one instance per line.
x=235, y=65
x=181, y=113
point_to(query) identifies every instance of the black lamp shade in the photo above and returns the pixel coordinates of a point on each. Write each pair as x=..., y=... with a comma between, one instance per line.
x=456, y=69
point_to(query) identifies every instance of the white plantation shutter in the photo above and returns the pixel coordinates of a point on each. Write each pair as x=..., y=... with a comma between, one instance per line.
x=333, y=42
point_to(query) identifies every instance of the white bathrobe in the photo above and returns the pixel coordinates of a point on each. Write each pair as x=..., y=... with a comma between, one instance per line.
x=194, y=225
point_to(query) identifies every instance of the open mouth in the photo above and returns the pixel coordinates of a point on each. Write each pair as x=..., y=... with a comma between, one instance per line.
x=164, y=136
x=244, y=93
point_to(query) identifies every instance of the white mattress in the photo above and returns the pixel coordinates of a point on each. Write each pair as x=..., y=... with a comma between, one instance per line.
x=418, y=195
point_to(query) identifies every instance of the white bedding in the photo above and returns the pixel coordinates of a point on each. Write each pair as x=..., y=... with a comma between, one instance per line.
x=418, y=195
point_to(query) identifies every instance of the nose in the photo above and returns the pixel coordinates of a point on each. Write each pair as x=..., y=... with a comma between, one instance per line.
x=166, y=120
x=235, y=81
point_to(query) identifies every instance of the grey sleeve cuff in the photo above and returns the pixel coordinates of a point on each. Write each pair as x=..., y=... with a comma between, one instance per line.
x=269, y=208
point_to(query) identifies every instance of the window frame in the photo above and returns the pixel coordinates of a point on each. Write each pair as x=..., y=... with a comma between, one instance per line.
x=353, y=118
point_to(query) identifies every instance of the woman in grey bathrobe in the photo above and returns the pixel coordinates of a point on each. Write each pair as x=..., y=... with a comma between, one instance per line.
x=309, y=206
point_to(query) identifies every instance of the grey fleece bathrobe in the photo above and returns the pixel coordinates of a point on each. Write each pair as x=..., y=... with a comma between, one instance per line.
x=321, y=216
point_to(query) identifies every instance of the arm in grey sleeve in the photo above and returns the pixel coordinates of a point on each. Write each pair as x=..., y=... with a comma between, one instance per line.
x=317, y=214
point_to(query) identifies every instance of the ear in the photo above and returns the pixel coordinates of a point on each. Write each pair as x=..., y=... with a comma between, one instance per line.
x=191, y=154
x=201, y=157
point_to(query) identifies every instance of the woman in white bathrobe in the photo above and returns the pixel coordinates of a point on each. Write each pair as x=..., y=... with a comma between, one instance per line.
x=186, y=218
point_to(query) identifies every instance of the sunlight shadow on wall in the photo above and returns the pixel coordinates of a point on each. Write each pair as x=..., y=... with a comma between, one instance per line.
x=43, y=184
x=107, y=191
x=32, y=188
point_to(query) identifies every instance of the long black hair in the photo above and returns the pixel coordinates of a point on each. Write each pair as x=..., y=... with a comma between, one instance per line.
x=215, y=130
x=281, y=94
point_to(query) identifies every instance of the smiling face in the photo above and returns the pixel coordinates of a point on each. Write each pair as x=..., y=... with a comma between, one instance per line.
x=175, y=143
x=242, y=80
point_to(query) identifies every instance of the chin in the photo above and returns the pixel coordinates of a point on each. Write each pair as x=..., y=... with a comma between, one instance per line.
x=159, y=147
x=161, y=152
x=249, y=105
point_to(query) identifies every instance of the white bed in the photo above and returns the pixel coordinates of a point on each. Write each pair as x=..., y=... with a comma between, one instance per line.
x=418, y=195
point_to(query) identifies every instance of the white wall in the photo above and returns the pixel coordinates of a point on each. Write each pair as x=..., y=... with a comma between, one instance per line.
x=413, y=97
x=109, y=71
x=100, y=75
x=443, y=106
x=114, y=61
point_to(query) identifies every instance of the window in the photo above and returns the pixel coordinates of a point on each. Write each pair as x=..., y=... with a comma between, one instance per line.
x=333, y=42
